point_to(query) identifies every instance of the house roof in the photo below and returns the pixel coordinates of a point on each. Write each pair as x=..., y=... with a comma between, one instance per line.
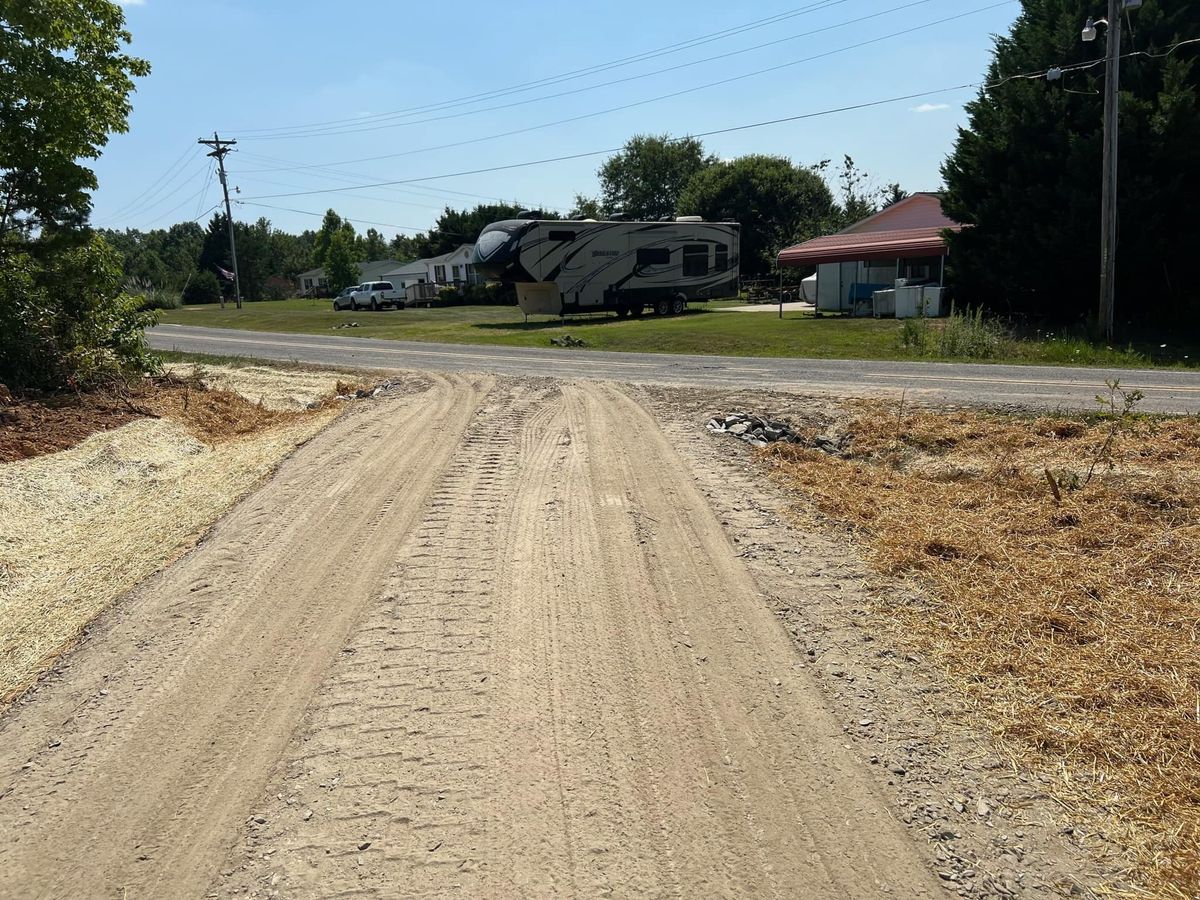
x=312, y=273
x=370, y=271
x=434, y=260
x=914, y=227
x=416, y=267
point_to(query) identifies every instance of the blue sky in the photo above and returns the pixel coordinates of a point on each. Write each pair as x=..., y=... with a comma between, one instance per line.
x=393, y=77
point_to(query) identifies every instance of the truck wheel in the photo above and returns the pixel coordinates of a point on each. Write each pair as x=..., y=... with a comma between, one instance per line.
x=622, y=312
x=636, y=310
x=336, y=308
x=678, y=306
x=662, y=307
x=374, y=305
x=353, y=304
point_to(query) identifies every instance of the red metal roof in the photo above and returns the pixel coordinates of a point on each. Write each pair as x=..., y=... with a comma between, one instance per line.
x=909, y=243
x=906, y=230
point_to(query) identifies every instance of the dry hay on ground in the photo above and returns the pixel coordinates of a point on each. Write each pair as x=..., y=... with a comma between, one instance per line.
x=83, y=526
x=1072, y=624
x=271, y=387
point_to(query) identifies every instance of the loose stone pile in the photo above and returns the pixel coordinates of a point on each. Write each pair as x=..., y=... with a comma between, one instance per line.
x=759, y=431
x=754, y=430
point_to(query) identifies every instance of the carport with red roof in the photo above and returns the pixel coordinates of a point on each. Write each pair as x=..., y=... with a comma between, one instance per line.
x=905, y=240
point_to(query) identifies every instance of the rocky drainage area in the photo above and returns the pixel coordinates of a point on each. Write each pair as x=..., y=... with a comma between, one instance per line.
x=759, y=431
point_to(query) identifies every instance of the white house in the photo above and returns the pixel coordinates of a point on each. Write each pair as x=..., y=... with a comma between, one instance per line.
x=410, y=273
x=451, y=269
x=314, y=279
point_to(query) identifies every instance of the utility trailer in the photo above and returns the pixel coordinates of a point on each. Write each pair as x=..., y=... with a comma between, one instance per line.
x=562, y=268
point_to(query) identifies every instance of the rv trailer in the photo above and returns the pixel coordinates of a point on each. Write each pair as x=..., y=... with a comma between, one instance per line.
x=562, y=267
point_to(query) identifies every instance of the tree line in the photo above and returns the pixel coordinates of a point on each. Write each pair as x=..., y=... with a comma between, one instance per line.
x=1023, y=175
x=655, y=176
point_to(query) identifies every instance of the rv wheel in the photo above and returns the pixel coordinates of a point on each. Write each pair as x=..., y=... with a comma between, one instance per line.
x=678, y=306
x=662, y=307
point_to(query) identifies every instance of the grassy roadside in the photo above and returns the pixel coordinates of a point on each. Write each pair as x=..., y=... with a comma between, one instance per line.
x=1058, y=570
x=702, y=331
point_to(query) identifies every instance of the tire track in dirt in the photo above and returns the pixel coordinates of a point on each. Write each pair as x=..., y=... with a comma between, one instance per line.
x=570, y=686
x=129, y=772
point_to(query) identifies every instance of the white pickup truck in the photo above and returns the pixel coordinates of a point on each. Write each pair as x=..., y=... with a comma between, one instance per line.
x=376, y=295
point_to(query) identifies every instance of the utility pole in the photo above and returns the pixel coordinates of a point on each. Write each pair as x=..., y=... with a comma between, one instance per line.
x=220, y=148
x=1108, y=200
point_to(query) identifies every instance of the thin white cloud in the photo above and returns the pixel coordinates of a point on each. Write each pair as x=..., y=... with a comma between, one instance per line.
x=929, y=107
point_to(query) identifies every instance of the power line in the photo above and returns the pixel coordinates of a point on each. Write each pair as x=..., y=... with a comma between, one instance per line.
x=574, y=74
x=309, y=212
x=709, y=59
x=184, y=158
x=673, y=94
x=1038, y=74
x=441, y=195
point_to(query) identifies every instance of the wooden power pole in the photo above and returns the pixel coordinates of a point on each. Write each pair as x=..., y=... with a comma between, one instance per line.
x=220, y=148
x=1108, y=199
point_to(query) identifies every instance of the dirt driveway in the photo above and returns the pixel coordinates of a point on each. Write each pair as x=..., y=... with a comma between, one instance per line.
x=488, y=640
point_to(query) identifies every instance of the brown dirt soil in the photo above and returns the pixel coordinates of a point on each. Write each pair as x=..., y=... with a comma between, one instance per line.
x=1072, y=622
x=488, y=640
x=37, y=424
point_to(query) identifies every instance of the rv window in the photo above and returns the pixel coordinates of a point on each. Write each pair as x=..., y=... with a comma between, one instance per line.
x=722, y=261
x=562, y=235
x=653, y=256
x=695, y=259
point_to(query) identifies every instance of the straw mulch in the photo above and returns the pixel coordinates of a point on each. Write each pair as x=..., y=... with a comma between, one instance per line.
x=1072, y=623
x=81, y=527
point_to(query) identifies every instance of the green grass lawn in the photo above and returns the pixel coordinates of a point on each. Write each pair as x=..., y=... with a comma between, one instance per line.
x=702, y=330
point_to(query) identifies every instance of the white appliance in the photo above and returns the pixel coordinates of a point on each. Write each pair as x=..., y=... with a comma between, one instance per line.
x=908, y=302
x=884, y=303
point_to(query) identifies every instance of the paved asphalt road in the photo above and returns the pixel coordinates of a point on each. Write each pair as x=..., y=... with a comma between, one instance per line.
x=1170, y=391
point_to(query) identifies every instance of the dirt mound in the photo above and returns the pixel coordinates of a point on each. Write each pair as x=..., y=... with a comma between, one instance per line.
x=45, y=424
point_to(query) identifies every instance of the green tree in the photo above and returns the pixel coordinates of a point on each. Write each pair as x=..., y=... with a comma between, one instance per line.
x=586, y=208
x=330, y=225
x=646, y=178
x=341, y=263
x=1025, y=171
x=65, y=321
x=777, y=202
x=456, y=227
x=64, y=88
x=203, y=287
x=375, y=246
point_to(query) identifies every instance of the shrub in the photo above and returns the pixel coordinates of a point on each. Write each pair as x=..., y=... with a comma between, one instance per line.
x=278, y=288
x=914, y=335
x=203, y=288
x=491, y=294
x=971, y=336
x=68, y=323
x=151, y=297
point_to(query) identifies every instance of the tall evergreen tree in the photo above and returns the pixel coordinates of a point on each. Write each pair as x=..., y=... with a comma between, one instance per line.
x=1025, y=172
